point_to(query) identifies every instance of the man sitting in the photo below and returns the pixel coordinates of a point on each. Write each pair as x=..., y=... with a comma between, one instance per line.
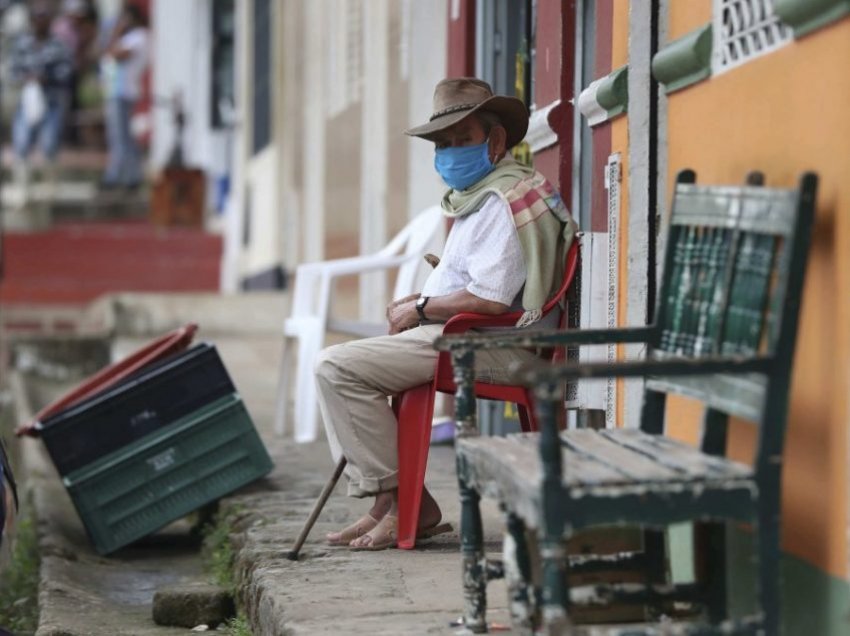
x=505, y=250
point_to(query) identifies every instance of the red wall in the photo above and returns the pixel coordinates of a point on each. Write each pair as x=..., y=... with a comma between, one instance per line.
x=461, y=53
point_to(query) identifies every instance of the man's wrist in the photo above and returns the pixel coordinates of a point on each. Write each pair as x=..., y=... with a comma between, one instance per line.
x=420, y=307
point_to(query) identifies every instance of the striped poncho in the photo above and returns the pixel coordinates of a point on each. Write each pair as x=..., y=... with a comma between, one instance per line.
x=543, y=223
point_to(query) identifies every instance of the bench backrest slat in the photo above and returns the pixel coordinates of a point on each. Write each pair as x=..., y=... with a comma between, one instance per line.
x=729, y=251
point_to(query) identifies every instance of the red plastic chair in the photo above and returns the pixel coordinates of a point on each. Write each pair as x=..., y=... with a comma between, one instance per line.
x=415, y=407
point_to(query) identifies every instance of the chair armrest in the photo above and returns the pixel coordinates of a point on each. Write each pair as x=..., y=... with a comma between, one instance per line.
x=353, y=265
x=536, y=373
x=461, y=323
x=526, y=338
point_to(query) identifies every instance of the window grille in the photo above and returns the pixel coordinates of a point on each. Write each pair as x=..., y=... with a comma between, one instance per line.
x=745, y=29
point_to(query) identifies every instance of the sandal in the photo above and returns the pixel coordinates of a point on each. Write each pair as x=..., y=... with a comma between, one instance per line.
x=390, y=535
x=381, y=537
x=356, y=530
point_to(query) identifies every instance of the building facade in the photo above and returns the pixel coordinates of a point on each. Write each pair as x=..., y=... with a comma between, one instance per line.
x=626, y=94
x=623, y=95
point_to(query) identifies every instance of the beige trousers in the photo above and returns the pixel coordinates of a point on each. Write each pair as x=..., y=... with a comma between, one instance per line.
x=355, y=380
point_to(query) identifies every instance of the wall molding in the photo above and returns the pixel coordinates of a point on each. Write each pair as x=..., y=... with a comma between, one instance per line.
x=684, y=61
x=805, y=16
x=606, y=97
x=589, y=107
x=613, y=93
x=540, y=134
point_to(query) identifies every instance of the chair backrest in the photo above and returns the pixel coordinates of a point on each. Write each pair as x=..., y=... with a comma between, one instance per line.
x=733, y=275
x=424, y=233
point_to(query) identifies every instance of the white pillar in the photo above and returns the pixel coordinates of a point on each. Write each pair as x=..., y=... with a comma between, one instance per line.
x=314, y=131
x=234, y=211
x=374, y=152
x=427, y=66
x=640, y=40
x=287, y=111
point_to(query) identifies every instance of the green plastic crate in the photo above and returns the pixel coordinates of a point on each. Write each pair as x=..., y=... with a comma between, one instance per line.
x=157, y=479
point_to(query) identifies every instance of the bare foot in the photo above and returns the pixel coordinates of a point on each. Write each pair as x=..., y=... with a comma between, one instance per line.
x=429, y=512
x=382, y=505
x=384, y=535
x=357, y=529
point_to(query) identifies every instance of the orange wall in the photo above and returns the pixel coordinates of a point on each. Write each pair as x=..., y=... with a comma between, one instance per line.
x=785, y=113
x=687, y=16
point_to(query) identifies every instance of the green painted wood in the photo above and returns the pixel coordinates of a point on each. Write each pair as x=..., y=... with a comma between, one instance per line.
x=684, y=61
x=630, y=466
x=591, y=459
x=520, y=338
x=520, y=587
x=683, y=459
x=728, y=310
x=612, y=94
x=805, y=16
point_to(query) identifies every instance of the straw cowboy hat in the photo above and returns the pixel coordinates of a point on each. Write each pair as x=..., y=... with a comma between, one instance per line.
x=455, y=99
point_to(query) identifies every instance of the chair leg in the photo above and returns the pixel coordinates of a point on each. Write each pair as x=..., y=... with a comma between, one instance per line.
x=283, y=388
x=768, y=570
x=472, y=555
x=306, y=405
x=517, y=563
x=415, y=411
x=555, y=601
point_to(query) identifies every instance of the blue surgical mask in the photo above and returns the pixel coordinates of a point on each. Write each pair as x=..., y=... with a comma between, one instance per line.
x=462, y=166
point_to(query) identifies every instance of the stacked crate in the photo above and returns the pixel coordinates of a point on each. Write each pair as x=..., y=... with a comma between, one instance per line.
x=160, y=444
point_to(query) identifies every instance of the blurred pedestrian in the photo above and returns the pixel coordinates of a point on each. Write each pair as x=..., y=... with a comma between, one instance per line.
x=41, y=66
x=123, y=64
x=77, y=27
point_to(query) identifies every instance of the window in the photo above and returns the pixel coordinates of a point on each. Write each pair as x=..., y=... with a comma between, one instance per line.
x=221, y=90
x=743, y=30
x=505, y=52
x=505, y=46
x=262, y=57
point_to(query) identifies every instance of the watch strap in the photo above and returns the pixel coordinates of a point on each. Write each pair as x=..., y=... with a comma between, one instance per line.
x=420, y=307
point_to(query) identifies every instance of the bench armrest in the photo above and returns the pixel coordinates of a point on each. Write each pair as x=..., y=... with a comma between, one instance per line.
x=537, y=373
x=525, y=338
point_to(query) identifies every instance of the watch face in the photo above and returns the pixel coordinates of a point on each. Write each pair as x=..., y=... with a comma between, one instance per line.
x=421, y=301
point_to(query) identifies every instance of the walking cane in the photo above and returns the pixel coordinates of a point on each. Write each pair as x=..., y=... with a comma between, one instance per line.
x=292, y=555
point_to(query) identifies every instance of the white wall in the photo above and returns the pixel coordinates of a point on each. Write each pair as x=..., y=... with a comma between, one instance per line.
x=181, y=65
x=426, y=65
x=316, y=196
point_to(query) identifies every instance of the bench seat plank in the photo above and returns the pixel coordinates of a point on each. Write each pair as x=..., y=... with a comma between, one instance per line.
x=609, y=461
x=678, y=456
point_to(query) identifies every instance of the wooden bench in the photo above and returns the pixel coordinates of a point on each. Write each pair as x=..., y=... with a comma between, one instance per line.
x=724, y=334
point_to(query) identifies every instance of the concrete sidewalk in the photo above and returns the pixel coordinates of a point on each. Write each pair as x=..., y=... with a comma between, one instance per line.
x=333, y=590
x=330, y=590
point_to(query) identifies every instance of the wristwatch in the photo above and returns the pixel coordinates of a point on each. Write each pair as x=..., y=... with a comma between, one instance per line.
x=420, y=307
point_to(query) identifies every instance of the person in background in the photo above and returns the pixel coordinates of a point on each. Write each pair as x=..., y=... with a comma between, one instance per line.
x=41, y=66
x=77, y=28
x=124, y=62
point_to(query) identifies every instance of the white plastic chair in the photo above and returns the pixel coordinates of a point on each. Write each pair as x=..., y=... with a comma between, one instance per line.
x=310, y=318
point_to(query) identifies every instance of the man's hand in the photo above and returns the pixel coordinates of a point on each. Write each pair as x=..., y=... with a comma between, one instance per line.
x=400, y=301
x=402, y=314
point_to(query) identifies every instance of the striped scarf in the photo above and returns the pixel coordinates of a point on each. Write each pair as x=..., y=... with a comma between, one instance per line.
x=543, y=223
